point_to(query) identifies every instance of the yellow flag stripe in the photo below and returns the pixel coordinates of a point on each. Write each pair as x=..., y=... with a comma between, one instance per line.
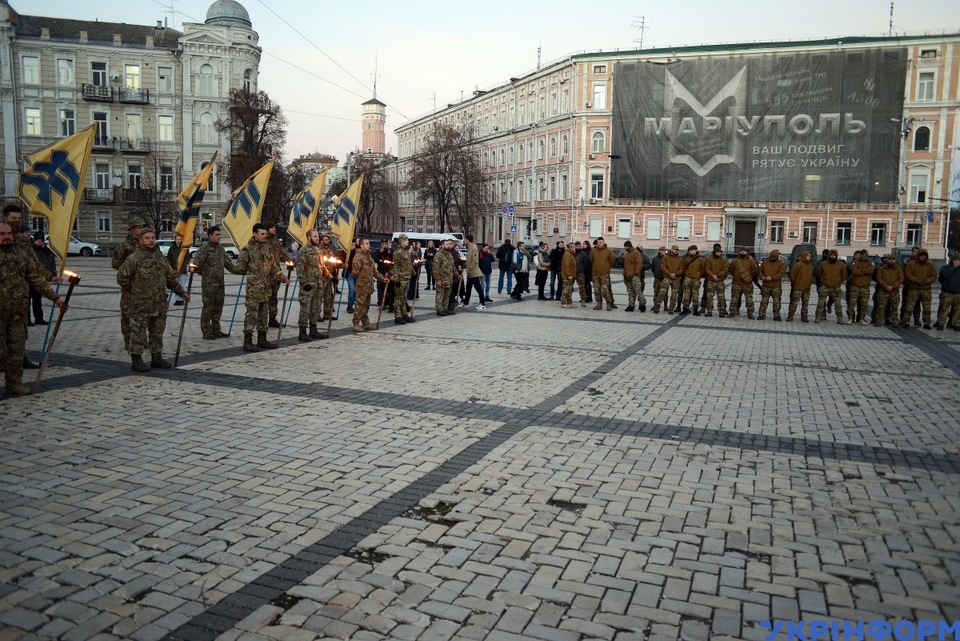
x=247, y=206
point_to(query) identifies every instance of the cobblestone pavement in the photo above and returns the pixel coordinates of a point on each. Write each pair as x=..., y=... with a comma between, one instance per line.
x=524, y=472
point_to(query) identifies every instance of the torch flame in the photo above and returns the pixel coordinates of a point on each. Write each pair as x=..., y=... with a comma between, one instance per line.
x=70, y=274
x=192, y=266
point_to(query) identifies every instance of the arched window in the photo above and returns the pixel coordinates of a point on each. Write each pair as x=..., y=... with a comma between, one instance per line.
x=248, y=81
x=564, y=145
x=598, y=142
x=540, y=147
x=210, y=182
x=205, y=132
x=553, y=146
x=520, y=157
x=205, y=81
x=921, y=139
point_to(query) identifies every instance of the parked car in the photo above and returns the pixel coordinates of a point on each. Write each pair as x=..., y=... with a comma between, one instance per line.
x=80, y=247
x=164, y=246
x=799, y=249
x=619, y=255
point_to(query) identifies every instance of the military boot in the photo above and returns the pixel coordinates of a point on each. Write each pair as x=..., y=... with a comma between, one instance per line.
x=156, y=360
x=410, y=319
x=314, y=333
x=248, y=345
x=273, y=321
x=399, y=320
x=137, y=364
x=357, y=328
x=303, y=334
x=262, y=341
x=804, y=318
x=16, y=389
x=790, y=318
x=28, y=365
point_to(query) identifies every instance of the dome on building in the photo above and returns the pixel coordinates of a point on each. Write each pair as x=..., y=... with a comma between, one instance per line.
x=228, y=13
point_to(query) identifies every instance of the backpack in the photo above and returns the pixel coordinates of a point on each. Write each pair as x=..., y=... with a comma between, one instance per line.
x=518, y=260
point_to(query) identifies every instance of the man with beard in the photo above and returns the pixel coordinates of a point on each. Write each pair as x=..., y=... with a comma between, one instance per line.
x=672, y=267
x=365, y=271
x=259, y=263
x=858, y=287
x=717, y=268
x=309, y=271
x=920, y=274
x=328, y=276
x=772, y=272
x=633, y=266
x=603, y=260
x=402, y=272
x=694, y=268
x=743, y=269
x=831, y=273
x=889, y=278
x=443, y=277
x=211, y=260
x=276, y=248
x=801, y=279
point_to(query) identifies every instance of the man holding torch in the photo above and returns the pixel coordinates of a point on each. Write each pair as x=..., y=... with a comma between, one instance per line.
x=365, y=271
x=402, y=272
x=18, y=272
x=211, y=260
x=329, y=259
x=310, y=271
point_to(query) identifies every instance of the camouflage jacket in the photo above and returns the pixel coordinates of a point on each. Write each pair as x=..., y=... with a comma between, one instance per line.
x=123, y=250
x=402, y=265
x=327, y=257
x=211, y=260
x=365, y=270
x=261, y=268
x=144, y=278
x=443, y=268
x=19, y=270
x=273, y=242
x=308, y=266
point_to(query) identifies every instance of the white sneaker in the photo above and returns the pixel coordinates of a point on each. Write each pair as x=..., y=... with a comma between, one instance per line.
x=481, y=307
x=461, y=306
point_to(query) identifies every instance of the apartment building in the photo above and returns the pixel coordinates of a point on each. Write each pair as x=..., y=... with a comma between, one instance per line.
x=758, y=145
x=153, y=92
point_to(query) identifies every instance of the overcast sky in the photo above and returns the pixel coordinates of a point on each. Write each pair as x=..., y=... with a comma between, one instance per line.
x=429, y=51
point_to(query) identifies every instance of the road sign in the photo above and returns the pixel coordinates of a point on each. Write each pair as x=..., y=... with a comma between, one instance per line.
x=729, y=234
x=760, y=236
x=929, y=216
x=409, y=230
x=510, y=209
x=503, y=209
x=513, y=229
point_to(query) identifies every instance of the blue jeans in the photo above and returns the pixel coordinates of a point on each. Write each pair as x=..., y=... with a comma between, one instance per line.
x=509, y=274
x=351, y=290
x=554, y=279
x=485, y=282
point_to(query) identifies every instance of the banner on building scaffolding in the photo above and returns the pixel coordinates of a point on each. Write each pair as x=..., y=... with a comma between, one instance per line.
x=815, y=126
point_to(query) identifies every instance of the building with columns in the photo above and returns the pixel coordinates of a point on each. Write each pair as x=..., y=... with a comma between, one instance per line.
x=763, y=145
x=154, y=93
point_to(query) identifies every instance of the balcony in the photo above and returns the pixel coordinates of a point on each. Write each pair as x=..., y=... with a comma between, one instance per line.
x=98, y=195
x=131, y=196
x=135, y=145
x=136, y=96
x=100, y=93
x=104, y=144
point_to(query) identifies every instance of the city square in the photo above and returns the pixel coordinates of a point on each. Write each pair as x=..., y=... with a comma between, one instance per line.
x=523, y=472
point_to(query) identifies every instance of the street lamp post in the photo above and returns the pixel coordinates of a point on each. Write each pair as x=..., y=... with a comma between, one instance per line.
x=902, y=191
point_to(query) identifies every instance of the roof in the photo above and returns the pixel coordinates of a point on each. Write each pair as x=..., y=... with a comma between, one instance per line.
x=133, y=35
x=228, y=13
x=374, y=101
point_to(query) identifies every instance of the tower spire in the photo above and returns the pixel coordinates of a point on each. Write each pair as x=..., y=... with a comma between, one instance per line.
x=375, y=75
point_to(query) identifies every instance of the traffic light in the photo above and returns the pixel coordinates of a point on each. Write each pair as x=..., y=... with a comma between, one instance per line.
x=534, y=224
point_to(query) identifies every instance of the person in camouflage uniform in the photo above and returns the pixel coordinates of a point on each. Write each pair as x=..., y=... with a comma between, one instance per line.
x=633, y=267
x=949, y=278
x=772, y=272
x=801, y=279
x=858, y=287
x=742, y=269
x=920, y=274
x=402, y=273
x=672, y=267
x=143, y=278
x=259, y=263
x=210, y=261
x=276, y=247
x=717, y=268
x=120, y=254
x=19, y=270
x=328, y=259
x=694, y=269
x=444, y=276
x=889, y=277
x=310, y=271
x=568, y=276
x=365, y=271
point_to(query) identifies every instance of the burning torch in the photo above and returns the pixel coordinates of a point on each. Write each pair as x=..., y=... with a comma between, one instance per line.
x=286, y=291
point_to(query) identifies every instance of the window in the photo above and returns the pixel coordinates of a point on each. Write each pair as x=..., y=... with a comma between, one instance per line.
x=513, y=154
x=134, y=177
x=131, y=76
x=165, y=128
x=101, y=174
x=599, y=68
x=553, y=146
x=653, y=229
x=563, y=186
x=599, y=96
x=683, y=229
x=928, y=53
x=811, y=189
x=32, y=122
x=98, y=73
x=543, y=107
x=553, y=187
x=540, y=146
x=205, y=81
x=598, y=142
x=925, y=82
x=878, y=234
x=553, y=103
x=134, y=127
x=164, y=79
x=844, y=231
x=100, y=138
x=914, y=233
x=564, y=145
x=248, y=81
x=543, y=188
x=565, y=104
x=918, y=188
x=713, y=230
x=921, y=139
x=810, y=233
x=520, y=157
x=31, y=70
x=68, y=122
x=65, y=75
x=776, y=231
x=596, y=186
x=206, y=133
x=103, y=222
x=210, y=183
x=166, y=179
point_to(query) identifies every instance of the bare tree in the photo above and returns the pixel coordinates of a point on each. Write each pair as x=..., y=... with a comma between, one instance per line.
x=156, y=199
x=379, y=195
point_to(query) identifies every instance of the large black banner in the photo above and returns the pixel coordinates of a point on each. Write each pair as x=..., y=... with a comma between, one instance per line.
x=807, y=126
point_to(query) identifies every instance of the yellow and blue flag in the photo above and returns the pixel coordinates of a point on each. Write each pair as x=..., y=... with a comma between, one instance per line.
x=345, y=217
x=188, y=208
x=247, y=205
x=51, y=184
x=303, y=215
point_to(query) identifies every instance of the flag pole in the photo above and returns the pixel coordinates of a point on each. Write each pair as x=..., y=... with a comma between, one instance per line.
x=235, y=304
x=74, y=281
x=46, y=335
x=383, y=301
x=293, y=295
x=286, y=290
x=183, y=321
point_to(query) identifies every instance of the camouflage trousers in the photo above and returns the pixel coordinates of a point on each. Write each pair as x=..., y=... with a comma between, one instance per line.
x=602, y=291
x=669, y=288
x=326, y=299
x=212, y=309
x=801, y=297
x=635, y=291
x=657, y=282
x=361, y=307
x=257, y=317
x=857, y=301
x=887, y=304
x=566, y=294
x=691, y=293
x=765, y=295
x=400, y=307
x=926, y=301
x=736, y=293
x=946, y=302
x=823, y=293
x=274, y=298
x=715, y=288
x=141, y=327
x=13, y=334
x=582, y=288
x=309, y=297
x=124, y=322
x=443, y=297
x=907, y=310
